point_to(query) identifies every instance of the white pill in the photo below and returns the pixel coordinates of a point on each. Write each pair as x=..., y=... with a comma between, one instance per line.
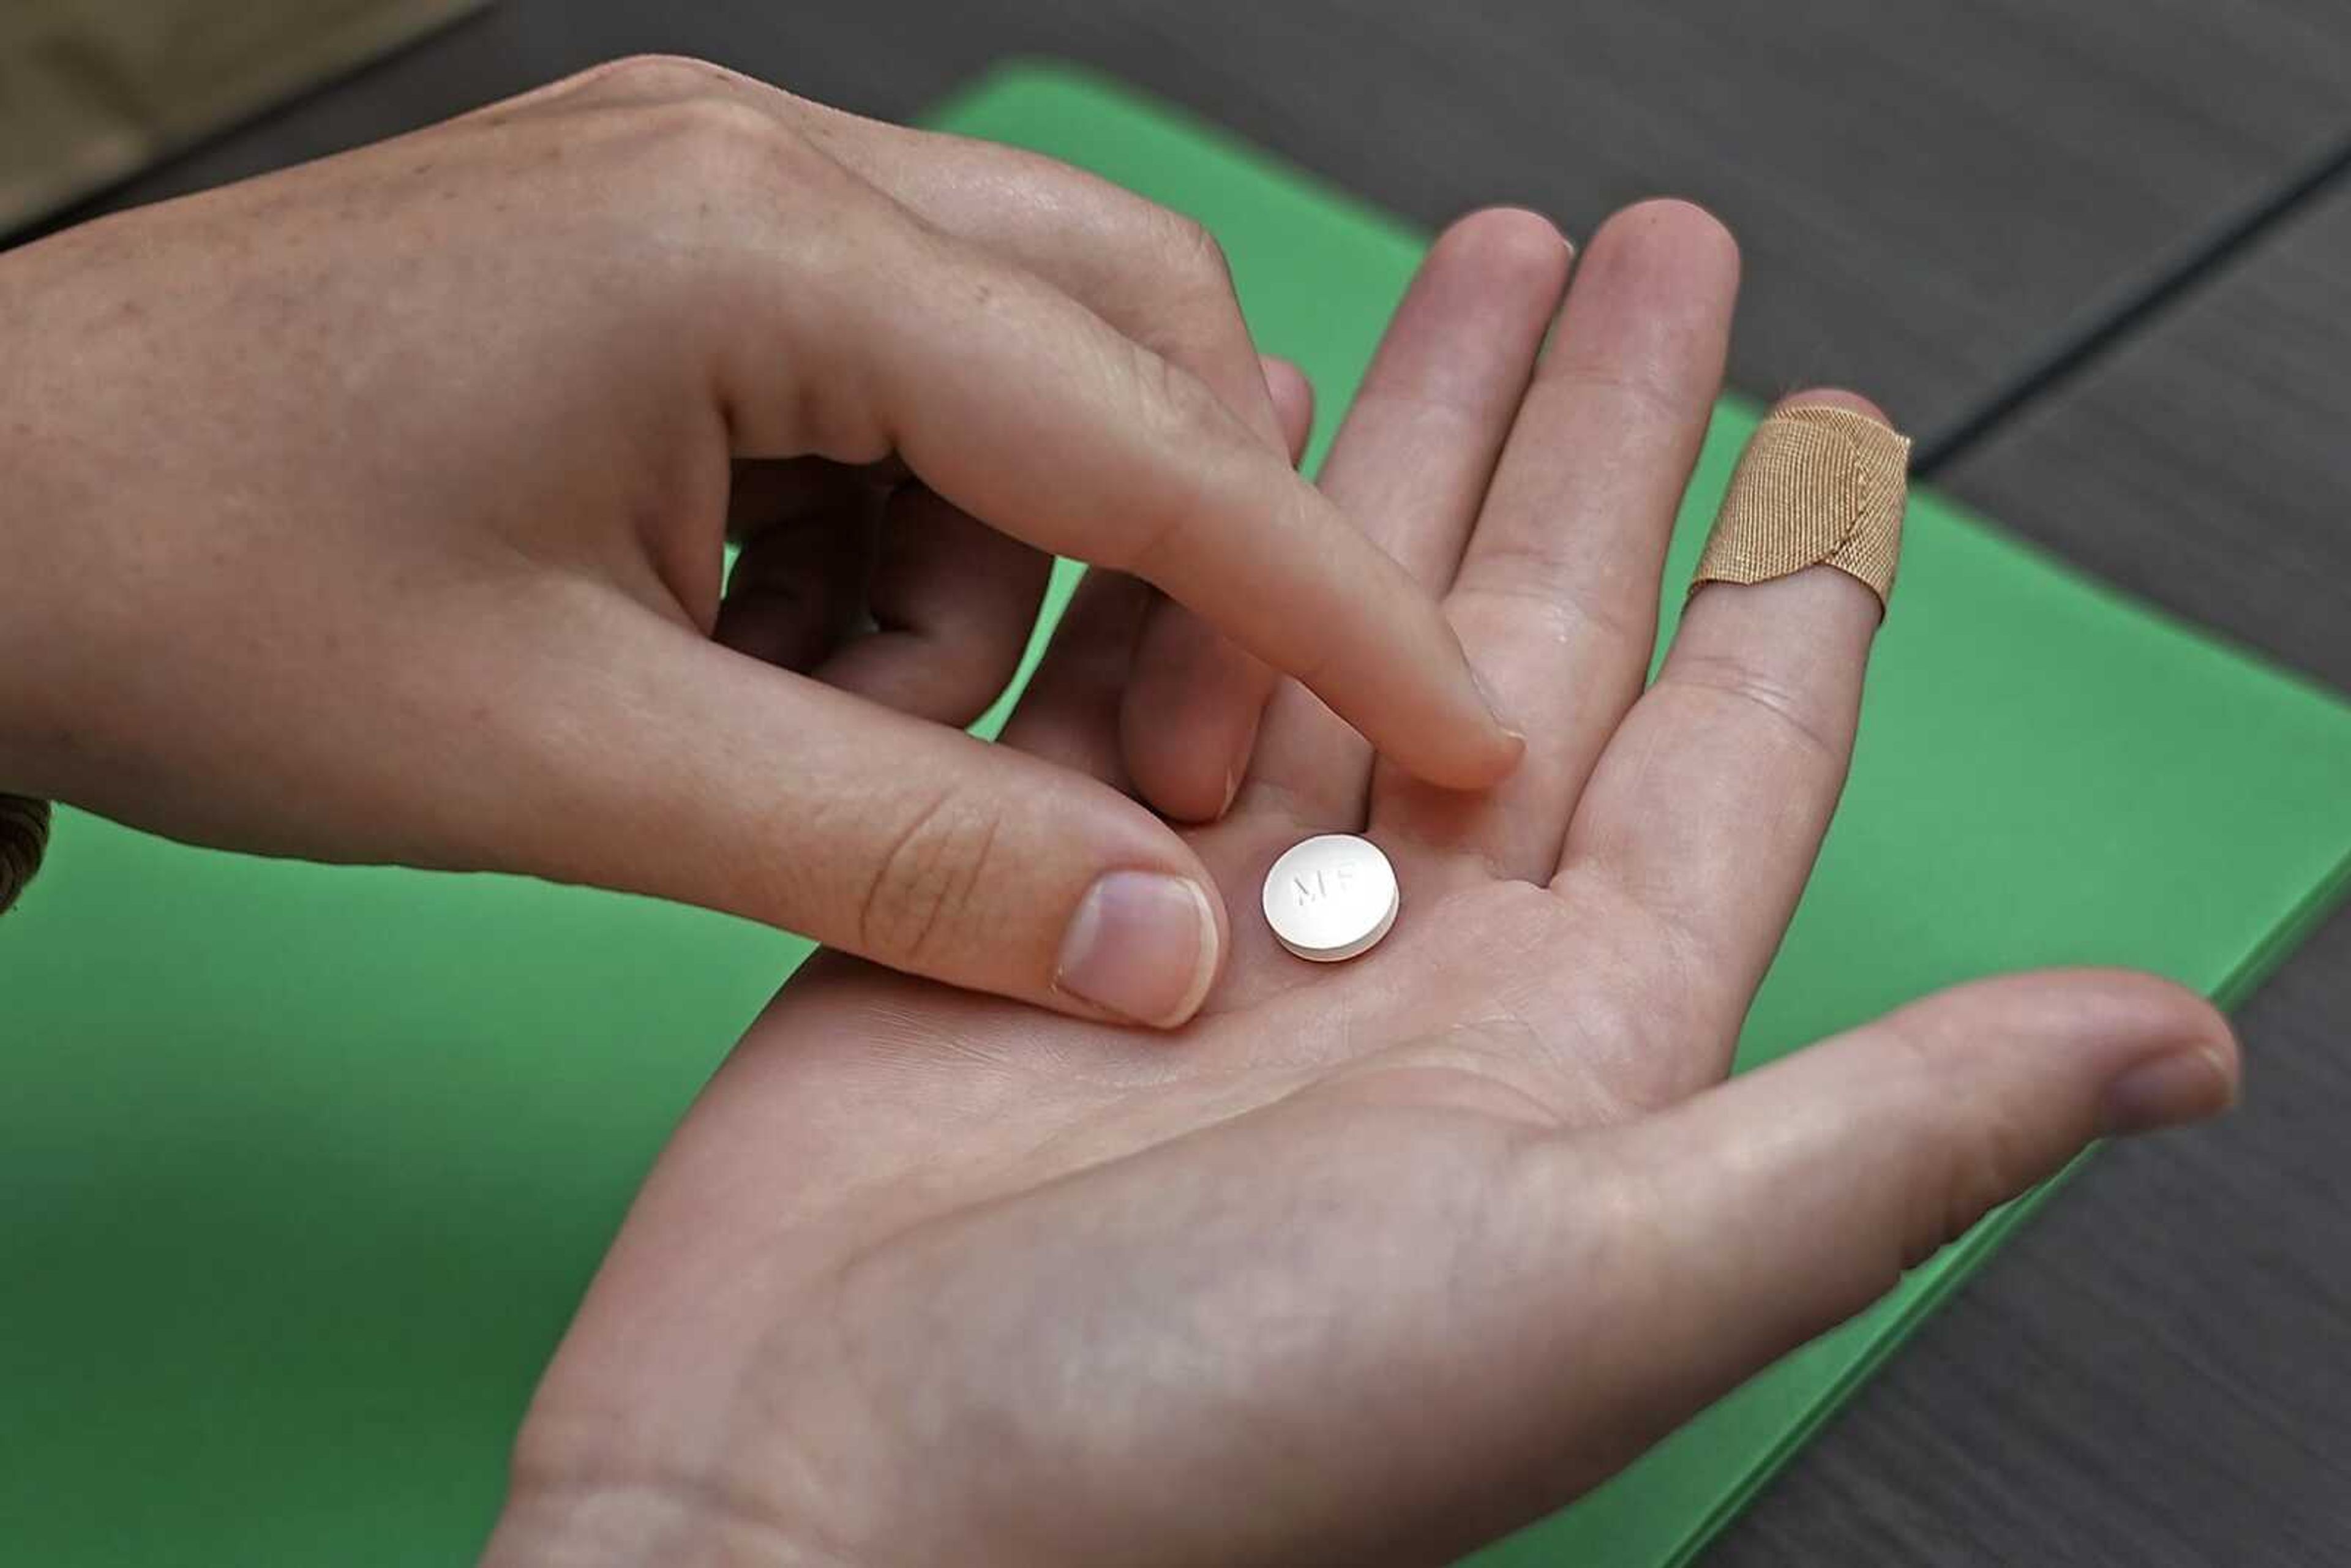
x=1331, y=897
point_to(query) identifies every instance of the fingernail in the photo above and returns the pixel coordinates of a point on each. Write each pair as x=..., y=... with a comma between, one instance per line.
x=1493, y=704
x=1143, y=945
x=1517, y=737
x=2186, y=1085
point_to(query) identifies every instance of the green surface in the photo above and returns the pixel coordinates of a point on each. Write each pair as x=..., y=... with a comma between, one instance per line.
x=303, y=1169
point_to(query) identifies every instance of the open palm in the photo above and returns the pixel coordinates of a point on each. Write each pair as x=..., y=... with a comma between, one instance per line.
x=1372, y=1261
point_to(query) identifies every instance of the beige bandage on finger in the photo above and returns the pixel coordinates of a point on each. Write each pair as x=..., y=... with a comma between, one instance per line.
x=24, y=833
x=1816, y=486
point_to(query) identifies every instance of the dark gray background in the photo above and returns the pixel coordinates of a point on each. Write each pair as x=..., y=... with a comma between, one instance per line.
x=2094, y=254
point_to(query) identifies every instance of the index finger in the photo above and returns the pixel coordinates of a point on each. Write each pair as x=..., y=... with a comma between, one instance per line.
x=1030, y=412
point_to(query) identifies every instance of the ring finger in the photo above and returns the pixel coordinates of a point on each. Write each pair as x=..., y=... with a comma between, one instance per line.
x=1705, y=815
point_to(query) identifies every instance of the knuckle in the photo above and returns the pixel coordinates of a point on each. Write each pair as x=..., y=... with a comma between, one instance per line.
x=713, y=138
x=655, y=75
x=1174, y=402
x=1176, y=283
x=1203, y=311
x=684, y=134
x=1980, y=1147
x=1531, y=583
x=1642, y=392
x=1779, y=705
x=1194, y=256
x=1174, y=412
x=1988, y=1164
x=927, y=885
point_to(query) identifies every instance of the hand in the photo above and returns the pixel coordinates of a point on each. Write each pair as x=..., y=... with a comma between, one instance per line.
x=1374, y=1261
x=375, y=511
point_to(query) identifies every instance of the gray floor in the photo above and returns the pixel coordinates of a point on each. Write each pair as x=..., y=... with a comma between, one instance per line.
x=2011, y=222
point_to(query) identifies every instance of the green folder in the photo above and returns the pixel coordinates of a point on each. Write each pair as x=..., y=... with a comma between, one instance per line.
x=302, y=1169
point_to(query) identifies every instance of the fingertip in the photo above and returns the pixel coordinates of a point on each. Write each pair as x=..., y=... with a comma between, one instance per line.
x=2184, y=1060
x=1144, y=947
x=2109, y=1007
x=1188, y=717
x=2172, y=1090
x=1494, y=277
x=1508, y=246
x=1474, y=749
x=1492, y=755
x=2153, y=1052
x=1666, y=249
x=1187, y=747
x=1837, y=398
x=1670, y=224
x=1292, y=393
x=1188, y=773
x=1477, y=746
x=1144, y=937
x=1503, y=744
x=1506, y=747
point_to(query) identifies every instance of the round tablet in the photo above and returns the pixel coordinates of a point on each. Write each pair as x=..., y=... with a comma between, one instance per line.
x=1331, y=897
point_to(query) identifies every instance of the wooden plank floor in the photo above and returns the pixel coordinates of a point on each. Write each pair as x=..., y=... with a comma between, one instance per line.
x=1928, y=196
x=2158, y=1371
x=2205, y=463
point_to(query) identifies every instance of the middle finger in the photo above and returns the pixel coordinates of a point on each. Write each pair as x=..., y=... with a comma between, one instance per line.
x=1556, y=600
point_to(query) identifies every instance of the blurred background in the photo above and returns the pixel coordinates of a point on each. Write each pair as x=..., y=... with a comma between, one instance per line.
x=2096, y=256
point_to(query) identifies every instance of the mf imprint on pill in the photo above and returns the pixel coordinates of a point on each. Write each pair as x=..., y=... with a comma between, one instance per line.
x=1331, y=897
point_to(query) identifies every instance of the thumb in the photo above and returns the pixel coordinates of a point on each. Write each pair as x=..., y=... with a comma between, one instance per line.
x=669, y=766
x=1770, y=1208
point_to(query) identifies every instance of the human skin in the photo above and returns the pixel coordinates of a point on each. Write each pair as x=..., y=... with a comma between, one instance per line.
x=376, y=511
x=1370, y=1262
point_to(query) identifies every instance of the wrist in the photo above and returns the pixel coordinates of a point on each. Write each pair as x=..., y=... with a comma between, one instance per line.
x=34, y=735
x=24, y=809
x=49, y=542
x=24, y=770
x=29, y=656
